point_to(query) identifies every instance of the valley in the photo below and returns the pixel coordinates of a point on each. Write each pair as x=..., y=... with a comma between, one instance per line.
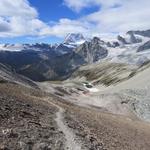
x=77, y=95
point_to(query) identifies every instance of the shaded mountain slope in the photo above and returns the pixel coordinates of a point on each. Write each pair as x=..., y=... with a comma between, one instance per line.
x=42, y=65
x=7, y=74
x=92, y=51
x=104, y=72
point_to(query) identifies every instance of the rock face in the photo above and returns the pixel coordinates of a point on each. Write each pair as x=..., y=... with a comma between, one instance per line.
x=145, y=46
x=145, y=33
x=122, y=40
x=62, y=49
x=92, y=51
x=74, y=38
x=133, y=39
x=113, y=44
x=7, y=74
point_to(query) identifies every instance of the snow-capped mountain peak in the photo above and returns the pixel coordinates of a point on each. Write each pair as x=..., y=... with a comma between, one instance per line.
x=74, y=39
x=22, y=47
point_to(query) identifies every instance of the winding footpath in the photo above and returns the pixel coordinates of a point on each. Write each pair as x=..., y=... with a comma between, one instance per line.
x=71, y=143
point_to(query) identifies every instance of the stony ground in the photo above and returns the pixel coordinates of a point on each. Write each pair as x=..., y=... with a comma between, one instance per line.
x=105, y=131
x=34, y=120
x=26, y=122
x=97, y=130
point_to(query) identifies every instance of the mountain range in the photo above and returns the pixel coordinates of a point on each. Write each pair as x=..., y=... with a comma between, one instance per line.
x=42, y=61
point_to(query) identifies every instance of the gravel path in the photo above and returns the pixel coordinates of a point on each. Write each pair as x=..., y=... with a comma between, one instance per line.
x=71, y=143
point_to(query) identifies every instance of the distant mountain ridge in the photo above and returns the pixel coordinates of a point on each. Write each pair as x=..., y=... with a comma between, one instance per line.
x=74, y=39
x=42, y=61
x=145, y=33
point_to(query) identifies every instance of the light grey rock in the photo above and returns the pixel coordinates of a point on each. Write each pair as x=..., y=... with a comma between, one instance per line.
x=74, y=38
x=145, y=46
x=145, y=33
x=92, y=51
x=133, y=39
x=122, y=40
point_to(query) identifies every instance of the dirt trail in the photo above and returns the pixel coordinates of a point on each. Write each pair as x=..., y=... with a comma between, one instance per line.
x=71, y=143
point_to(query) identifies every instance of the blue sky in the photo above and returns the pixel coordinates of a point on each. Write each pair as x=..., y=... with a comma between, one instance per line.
x=49, y=21
x=53, y=10
x=49, y=11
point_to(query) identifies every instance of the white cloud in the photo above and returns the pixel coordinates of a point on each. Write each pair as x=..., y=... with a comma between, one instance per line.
x=17, y=8
x=77, y=5
x=65, y=26
x=115, y=15
x=19, y=18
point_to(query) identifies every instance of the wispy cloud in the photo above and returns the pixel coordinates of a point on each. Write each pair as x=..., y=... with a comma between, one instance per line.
x=65, y=26
x=78, y=5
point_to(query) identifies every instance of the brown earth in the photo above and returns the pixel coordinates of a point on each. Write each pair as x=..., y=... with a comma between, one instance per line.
x=27, y=121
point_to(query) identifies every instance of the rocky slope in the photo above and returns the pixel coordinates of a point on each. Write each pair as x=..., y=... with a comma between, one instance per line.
x=33, y=119
x=8, y=75
x=104, y=72
x=92, y=51
x=116, y=88
x=27, y=122
x=45, y=65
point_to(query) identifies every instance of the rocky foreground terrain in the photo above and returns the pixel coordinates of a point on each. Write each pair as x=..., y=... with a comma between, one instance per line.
x=27, y=122
x=53, y=117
